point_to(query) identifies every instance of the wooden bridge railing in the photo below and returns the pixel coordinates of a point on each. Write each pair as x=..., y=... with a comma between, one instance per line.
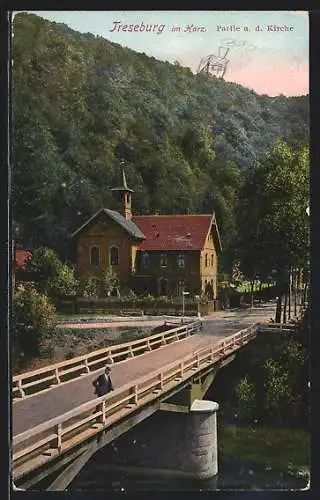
x=275, y=327
x=31, y=383
x=39, y=444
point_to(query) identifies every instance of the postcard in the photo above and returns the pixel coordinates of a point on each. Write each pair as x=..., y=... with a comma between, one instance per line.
x=160, y=267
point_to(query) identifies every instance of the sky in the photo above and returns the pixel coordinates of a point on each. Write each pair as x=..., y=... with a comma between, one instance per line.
x=268, y=50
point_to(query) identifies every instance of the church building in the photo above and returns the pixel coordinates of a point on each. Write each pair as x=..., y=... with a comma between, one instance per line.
x=151, y=254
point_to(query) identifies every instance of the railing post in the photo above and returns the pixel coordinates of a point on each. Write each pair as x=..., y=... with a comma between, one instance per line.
x=57, y=375
x=59, y=437
x=161, y=380
x=136, y=395
x=148, y=345
x=163, y=341
x=20, y=389
x=103, y=412
x=131, y=352
x=86, y=365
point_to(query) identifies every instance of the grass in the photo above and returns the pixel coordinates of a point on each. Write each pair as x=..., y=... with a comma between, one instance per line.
x=68, y=343
x=278, y=448
x=246, y=287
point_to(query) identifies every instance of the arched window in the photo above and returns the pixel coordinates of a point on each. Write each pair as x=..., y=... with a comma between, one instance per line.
x=163, y=286
x=180, y=286
x=163, y=260
x=114, y=256
x=206, y=259
x=145, y=259
x=212, y=259
x=95, y=256
x=180, y=260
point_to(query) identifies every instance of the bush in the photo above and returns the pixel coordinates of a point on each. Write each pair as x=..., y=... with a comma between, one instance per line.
x=54, y=277
x=33, y=321
x=245, y=398
x=91, y=287
x=109, y=281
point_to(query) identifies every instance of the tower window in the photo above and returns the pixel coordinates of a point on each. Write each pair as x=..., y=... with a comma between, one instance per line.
x=114, y=256
x=95, y=256
x=206, y=259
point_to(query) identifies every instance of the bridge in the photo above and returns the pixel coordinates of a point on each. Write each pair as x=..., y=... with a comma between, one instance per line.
x=58, y=423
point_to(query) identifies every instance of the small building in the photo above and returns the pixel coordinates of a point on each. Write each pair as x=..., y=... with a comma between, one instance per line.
x=152, y=254
x=20, y=273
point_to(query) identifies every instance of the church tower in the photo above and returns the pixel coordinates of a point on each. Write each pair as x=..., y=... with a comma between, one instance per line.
x=123, y=197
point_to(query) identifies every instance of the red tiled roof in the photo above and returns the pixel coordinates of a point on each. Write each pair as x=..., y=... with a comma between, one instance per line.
x=173, y=232
x=21, y=257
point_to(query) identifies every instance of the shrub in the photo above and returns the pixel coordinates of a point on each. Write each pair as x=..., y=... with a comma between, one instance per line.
x=54, y=277
x=109, y=281
x=91, y=287
x=245, y=398
x=33, y=321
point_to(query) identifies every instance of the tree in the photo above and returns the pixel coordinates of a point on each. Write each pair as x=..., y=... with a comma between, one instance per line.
x=273, y=228
x=33, y=321
x=245, y=398
x=179, y=133
x=54, y=278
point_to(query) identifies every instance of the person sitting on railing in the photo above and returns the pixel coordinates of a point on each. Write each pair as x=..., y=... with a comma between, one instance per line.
x=103, y=383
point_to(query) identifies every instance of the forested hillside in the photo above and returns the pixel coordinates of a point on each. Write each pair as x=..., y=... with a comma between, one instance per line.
x=82, y=106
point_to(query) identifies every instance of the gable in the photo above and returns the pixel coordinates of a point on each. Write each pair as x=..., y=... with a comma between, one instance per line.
x=100, y=222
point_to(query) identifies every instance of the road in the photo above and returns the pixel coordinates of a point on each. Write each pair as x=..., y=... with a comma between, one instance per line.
x=47, y=405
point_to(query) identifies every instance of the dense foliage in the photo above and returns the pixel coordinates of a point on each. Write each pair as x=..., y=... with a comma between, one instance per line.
x=82, y=105
x=272, y=220
x=33, y=321
x=267, y=383
x=54, y=278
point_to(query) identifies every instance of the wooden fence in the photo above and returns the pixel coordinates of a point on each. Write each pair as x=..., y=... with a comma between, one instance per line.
x=35, y=446
x=31, y=383
x=132, y=307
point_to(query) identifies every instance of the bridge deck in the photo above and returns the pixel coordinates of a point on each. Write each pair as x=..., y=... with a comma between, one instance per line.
x=44, y=406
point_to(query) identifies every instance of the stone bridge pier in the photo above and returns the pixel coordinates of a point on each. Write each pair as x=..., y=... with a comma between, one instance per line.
x=169, y=443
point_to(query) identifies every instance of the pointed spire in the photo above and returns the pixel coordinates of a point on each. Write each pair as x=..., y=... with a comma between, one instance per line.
x=124, y=180
x=124, y=186
x=123, y=196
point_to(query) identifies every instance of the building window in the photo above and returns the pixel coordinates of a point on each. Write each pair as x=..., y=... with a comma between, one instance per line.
x=163, y=286
x=145, y=259
x=181, y=260
x=95, y=256
x=206, y=259
x=163, y=260
x=212, y=260
x=180, y=286
x=114, y=256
